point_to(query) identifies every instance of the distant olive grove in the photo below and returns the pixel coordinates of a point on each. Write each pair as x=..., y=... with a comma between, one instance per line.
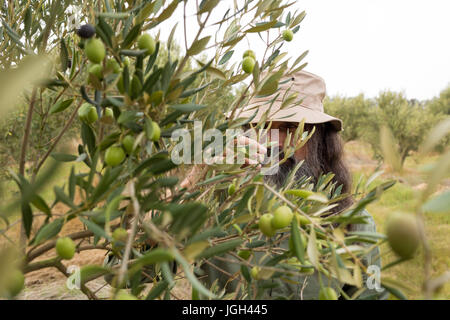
x=409, y=120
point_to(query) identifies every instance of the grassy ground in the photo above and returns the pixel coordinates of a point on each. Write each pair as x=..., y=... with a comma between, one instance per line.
x=403, y=196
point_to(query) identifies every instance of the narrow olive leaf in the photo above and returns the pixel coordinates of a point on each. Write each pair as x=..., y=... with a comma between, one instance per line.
x=40, y=204
x=131, y=36
x=297, y=241
x=63, y=157
x=216, y=73
x=145, y=12
x=148, y=126
x=72, y=183
x=97, y=230
x=191, y=92
x=300, y=58
x=88, y=138
x=299, y=68
x=246, y=273
x=91, y=272
x=28, y=20
x=167, y=12
x=261, y=27
x=198, y=46
x=188, y=107
x=233, y=40
x=48, y=231
x=152, y=59
x=298, y=19
x=270, y=86
x=113, y=15
x=61, y=196
x=196, y=284
x=207, y=6
x=157, y=290
x=395, y=292
x=64, y=55
x=157, y=255
x=167, y=273
x=60, y=106
x=312, y=249
x=12, y=34
x=226, y=57
x=438, y=204
x=27, y=218
x=132, y=53
x=219, y=249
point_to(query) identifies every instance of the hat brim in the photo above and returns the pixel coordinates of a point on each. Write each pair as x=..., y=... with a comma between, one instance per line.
x=290, y=114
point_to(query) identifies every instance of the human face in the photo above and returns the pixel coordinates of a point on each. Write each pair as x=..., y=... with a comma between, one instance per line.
x=283, y=129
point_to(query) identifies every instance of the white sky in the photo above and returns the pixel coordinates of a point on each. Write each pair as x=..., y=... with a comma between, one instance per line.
x=363, y=46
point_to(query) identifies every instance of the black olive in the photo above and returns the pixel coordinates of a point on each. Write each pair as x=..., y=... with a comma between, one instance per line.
x=86, y=31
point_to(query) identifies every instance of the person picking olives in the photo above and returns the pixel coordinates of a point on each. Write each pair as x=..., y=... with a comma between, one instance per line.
x=322, y=153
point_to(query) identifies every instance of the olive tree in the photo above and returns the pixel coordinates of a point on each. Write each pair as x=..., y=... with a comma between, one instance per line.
x=130, y=196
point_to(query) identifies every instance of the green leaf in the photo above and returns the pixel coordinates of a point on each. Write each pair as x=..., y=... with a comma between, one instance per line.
x=61, y=196
x=157, y=255
x=63, y=157
x=157, y=290
x=312, y=249
x=216, y=73
x=219, y=249
x=132, y=53
x=131, y=36
x=298, y=19
x=226, y=57
x=88, y=137
x=145, y=12
x=72, y=183
x=28, y=20
x=40, y=204
x=48, y=231
x=27, y=218
x=188, y=107
x=395, y=292
x=191, y=92
x=60, y=106
x=438, y=204
x=297, y=241
x=113, y=15
x=270, y=86
x=91, y=272
x=207, y=6
x=197, y=285
x=64, y=55
x=97, y=230
x=261, y=27
x=168, y=11
x=198, y=46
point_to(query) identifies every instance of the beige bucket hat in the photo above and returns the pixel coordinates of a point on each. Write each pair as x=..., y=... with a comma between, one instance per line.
x=309, y=87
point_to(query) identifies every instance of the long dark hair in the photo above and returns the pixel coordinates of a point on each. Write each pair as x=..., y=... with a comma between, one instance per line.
x=325, y=150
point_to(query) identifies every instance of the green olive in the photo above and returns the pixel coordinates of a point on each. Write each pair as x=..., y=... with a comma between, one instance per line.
x=95, y=50
x=65, y=248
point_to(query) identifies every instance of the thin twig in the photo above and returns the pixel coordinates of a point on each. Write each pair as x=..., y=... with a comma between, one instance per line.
x=136, y=210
